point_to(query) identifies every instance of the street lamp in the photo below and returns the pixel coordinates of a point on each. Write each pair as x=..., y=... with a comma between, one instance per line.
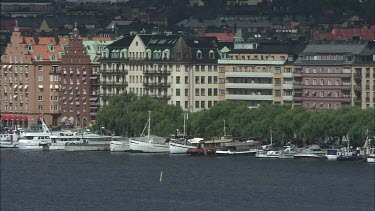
x=102, y=128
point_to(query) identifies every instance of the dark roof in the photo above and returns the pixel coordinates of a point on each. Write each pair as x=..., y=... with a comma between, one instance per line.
x=287, y=48
x=202, y=42
x=122, y=43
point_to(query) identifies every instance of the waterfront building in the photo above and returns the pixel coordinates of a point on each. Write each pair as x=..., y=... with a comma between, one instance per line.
x=257, y=73
x=177, y=70
x=30, y=79
x=94, y=48
x=324, y=79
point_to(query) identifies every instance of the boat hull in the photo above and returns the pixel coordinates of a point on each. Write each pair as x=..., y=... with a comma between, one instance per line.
x=148, y=147
x=371, y=159
x=203, y=151
x=87, y=147
x=175, y=148
x=307, y=156
x=237, y=153
x=119, y=146
x=9, y=144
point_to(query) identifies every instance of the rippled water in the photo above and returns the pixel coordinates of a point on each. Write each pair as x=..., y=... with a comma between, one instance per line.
x=39, y=180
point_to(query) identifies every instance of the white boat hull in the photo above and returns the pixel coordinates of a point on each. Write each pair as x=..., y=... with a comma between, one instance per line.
x=9, y=144
x=175, y=148
x=140, y=146
x=268, y=154
x=30, y=145
x=119, y=146
x=371, y=158
x=331, y=157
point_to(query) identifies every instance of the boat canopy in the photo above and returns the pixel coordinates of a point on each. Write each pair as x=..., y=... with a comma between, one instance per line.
x=195, y=140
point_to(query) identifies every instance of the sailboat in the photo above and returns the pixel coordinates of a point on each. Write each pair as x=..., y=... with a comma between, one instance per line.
x=178, y=147
x=268, y=152
x=149, y=143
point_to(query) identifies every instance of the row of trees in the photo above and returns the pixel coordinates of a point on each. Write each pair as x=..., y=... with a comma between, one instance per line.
x=128, y=114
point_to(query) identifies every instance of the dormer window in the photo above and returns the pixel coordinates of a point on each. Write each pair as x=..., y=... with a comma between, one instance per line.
x=53, y=58
x=38, y=58
x=212, y=54
x=51, y=48
x=199, y=54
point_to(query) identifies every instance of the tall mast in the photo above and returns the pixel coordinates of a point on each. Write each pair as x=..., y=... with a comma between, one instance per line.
x=149, y=123
x=271, y=136
x=225, y=133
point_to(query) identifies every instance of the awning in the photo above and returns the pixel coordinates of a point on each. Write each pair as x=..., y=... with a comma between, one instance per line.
x=93, y=77
x=40, y=86
x=15, y=87
x=10, y=66
x=64, y=98
x=70, y=88
x=15, y=96
x=93, y=98
x=51, y=86
x=5, y=66
x=77, y=88
x=25, y=118
x=4, y=117
x=20, y=87
x=70, y=98
x=26, y=86
x=63, y=119
x=56, y=86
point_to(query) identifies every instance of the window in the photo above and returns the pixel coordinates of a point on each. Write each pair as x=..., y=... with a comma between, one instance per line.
x=197, y=79
x=321, y=93
x=277, y=70
x=40, y=107
x=40, y=78
x=277, y=81
x=196, y=104
x=321, y=82
x=203, y=104
x=212, y=54
x=209, y=92
x=329, y=82
x=40, y=98
x=186, y=79
x=186, y=92
x=178, y=103
x=202, y=79
x=209, y=79
x=186, y=104
x=199, y=54
x=337, y=82
x=307, y=70
x=196, y=92
x=40, y=68
x=330, y=70
x=221, y=80
x=307, y=81
x=215, y=92
x=203, y=92
x=277, y=93
x=178, y=92
x=314, y=81
x=177, y=79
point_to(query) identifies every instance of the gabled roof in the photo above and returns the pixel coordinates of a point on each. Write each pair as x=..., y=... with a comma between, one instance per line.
x=335, y=48
x=122, y=43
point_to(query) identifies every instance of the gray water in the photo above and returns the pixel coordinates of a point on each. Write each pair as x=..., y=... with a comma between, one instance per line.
x=39, y=180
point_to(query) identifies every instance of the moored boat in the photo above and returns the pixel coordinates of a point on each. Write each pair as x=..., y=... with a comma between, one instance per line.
x=312, y=152
x=182, y=147
x=120, y=145
x=332, y=154
x=149, y=143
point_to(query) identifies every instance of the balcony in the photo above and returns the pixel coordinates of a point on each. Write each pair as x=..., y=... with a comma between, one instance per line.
x=156, y=84
x=288, y=98
x=248, y=86
x=287, y=86
x=159, y=96
x=248, y=75
x=156, y=72
x=249, y=97
x=287, y=75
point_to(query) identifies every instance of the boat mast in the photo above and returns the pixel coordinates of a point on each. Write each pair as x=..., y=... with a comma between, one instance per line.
x=149, y=123
x=225, y=133
x=271, y=136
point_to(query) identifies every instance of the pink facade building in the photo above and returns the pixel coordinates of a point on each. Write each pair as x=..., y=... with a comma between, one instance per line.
x=324, y=77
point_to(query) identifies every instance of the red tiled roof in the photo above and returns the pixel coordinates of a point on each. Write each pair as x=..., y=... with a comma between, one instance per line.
x=224, y=36
x=364, y=33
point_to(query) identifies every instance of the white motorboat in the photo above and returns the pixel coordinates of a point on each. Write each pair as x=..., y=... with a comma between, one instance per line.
x=288, y=152
x=313, y=152
x=150, y=144
x=119, y=145
x=370, y=158
x=268, y=154
x=9, y=140
x=182, y=147
x=250, y=152
x=60, y=140
x=332, y=154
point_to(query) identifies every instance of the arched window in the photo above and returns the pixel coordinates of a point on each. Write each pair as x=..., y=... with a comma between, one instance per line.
x=149, y=54
x=212, y=54
x=166, y=54
x=199, y=54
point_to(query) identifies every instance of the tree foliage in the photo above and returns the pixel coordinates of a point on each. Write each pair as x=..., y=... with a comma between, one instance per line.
x=127, y=111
